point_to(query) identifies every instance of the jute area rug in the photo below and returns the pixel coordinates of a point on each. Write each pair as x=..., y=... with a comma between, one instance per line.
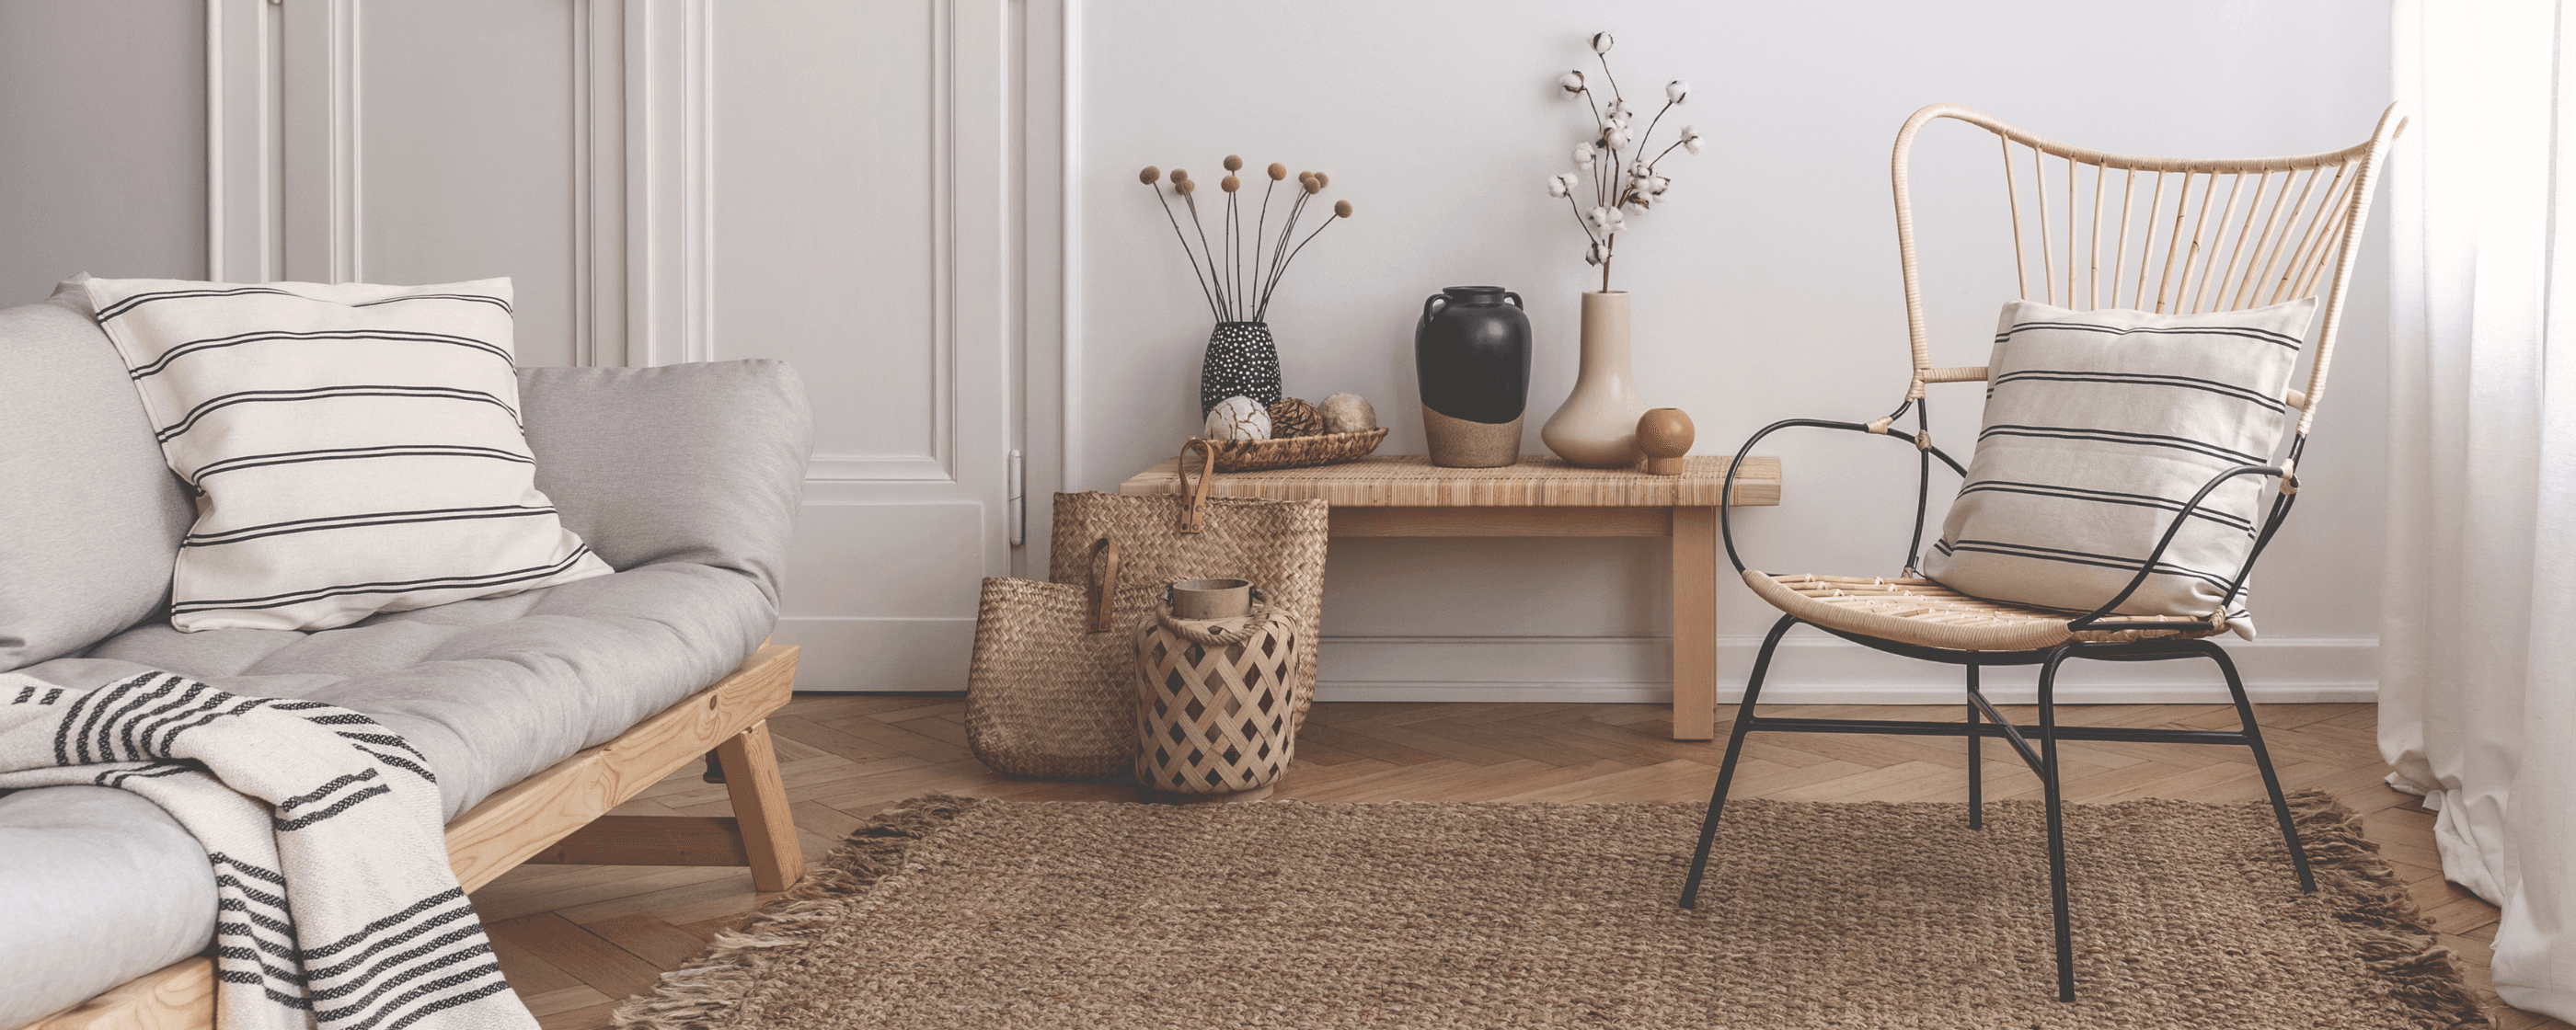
x=959, y=913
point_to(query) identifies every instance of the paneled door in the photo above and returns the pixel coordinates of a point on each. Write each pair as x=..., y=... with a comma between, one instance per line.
x=848, y=187
x=861, y=210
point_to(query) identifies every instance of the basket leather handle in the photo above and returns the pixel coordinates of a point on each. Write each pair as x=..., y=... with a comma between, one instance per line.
x=1104, y=584
x=1194, y=502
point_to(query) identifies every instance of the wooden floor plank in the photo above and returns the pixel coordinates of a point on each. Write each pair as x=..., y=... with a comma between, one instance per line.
x=605, y=967
x=577, y=939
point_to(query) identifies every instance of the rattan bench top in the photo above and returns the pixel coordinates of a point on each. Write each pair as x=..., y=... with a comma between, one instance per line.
x=1410, y=481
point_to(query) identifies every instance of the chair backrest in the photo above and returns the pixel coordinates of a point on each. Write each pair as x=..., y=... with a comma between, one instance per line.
x=2172, y=235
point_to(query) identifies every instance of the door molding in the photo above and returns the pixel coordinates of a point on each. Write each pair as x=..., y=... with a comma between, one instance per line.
x=666, y=53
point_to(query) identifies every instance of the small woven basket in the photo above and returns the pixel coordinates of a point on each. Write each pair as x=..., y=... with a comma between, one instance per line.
x=1214, y=715
x=1046, y=693
x=1289, y=452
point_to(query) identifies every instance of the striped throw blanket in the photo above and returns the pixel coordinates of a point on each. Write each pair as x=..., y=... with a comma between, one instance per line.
x=337, y=906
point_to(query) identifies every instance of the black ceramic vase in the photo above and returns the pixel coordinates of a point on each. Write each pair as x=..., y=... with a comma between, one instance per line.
x=1471, y=355
x=1240, y=363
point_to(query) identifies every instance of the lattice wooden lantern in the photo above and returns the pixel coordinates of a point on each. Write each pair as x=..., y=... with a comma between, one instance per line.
x=1213, y=712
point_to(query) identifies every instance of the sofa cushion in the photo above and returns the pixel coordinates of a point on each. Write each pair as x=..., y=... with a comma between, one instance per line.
x=92, y=516
x=490, y=691
x=659, y=464
x=690, y=477
x=358, y=447
x=86, y=857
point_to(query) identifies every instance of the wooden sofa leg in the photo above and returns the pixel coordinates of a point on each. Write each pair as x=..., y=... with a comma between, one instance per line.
x=760, y=804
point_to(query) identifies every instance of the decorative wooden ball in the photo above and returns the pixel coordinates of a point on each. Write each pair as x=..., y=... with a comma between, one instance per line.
x=1238, y=418
x=1293, y=417
x=1348, y=413
x=1665, y=434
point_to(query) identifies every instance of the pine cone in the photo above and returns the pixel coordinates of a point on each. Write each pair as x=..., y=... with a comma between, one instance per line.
x=1293, y=417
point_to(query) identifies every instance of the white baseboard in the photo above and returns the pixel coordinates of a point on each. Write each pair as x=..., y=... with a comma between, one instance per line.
x=879, y=654
x=1811, y=668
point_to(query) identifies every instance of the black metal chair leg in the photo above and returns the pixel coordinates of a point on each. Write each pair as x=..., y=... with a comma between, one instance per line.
x=1734, y=747
x=2263, y=761
x=2056, y=820
x=1976, y=764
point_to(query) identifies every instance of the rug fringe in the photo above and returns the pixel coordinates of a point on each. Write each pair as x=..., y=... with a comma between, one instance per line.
x=2396, y=938
x=692, y=998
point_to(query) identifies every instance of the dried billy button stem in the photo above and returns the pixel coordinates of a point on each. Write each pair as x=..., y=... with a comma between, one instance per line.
x=1222, y=283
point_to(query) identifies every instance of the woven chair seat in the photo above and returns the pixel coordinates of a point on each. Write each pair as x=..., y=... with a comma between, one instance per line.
x=1926, y=614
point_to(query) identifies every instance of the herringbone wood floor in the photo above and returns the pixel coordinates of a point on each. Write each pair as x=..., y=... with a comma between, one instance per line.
x=575, y=939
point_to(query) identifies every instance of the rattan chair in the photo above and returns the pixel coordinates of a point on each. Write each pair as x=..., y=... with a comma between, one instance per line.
x=2216, y=236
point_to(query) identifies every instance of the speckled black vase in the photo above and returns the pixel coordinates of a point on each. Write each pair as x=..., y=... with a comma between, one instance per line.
x=1240, y=363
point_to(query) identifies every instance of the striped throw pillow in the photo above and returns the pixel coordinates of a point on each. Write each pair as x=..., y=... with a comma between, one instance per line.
x=355, y=449
x=2099, y=426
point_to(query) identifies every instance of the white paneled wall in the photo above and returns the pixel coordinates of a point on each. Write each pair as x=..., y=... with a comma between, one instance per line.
x=1767, y=289
x=836, y=185
x=903, y=198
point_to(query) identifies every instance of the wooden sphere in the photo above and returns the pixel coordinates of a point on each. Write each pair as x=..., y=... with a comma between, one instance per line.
x=1665, y=433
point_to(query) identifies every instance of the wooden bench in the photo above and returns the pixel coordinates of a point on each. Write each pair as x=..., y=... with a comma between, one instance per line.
x=1406, y=495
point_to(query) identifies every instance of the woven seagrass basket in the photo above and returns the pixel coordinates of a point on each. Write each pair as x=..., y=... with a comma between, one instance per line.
x=1279, y=545
x=1215, y=716
x=1046, y=692
x=1289, y=452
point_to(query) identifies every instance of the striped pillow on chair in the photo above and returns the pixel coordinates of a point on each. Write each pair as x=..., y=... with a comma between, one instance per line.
x=2099, y=426
x=355, y=449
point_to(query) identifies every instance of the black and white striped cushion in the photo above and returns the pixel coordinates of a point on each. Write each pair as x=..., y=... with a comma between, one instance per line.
x=2099, y=426
x=355, y=448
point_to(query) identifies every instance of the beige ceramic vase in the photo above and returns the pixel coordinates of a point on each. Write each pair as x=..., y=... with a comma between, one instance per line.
x=1596, y=427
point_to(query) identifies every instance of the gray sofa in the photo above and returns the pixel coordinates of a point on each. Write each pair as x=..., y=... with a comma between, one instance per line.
x=685, y=479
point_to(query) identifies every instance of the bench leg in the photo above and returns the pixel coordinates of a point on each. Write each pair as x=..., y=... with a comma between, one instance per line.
x=760, y=803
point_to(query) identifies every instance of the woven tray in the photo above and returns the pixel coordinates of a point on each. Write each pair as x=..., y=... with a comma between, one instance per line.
x=1291, y=452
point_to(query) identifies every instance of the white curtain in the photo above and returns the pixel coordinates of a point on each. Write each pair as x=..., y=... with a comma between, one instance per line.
x=2478, y=639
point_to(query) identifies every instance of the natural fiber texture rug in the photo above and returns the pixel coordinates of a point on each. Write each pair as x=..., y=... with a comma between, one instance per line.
x=957, y=913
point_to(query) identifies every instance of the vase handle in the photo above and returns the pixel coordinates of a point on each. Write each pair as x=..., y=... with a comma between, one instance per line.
x=1515, y=299
x=1429, y=304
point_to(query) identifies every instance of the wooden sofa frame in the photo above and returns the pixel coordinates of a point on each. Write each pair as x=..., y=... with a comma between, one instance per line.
x=560, y=816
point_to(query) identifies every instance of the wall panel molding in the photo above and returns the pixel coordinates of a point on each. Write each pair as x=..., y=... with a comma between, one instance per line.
x=666, y=51
x=599, y=182
x=283, y=106
x=245, y=221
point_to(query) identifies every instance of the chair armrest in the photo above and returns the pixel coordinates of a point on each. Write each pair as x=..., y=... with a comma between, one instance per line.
x=2280, y=510
x=1726, y=496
